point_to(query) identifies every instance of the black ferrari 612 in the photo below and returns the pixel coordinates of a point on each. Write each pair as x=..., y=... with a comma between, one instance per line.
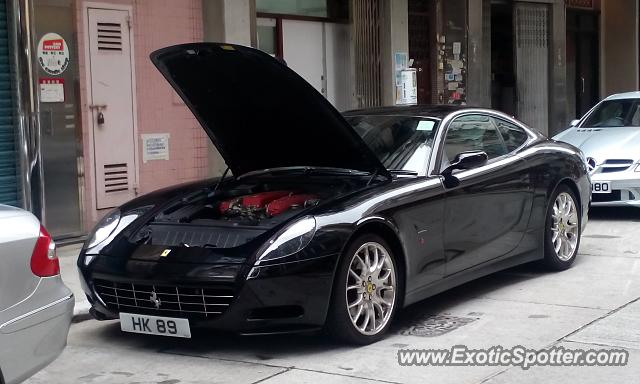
x=327, y=220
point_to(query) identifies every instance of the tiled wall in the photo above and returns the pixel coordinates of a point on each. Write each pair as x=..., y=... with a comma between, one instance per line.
x=156, y=24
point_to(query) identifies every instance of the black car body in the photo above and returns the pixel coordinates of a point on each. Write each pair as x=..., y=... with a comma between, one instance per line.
x=278, y=134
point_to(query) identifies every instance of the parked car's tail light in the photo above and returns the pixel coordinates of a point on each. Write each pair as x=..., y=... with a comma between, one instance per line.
x=44, y=261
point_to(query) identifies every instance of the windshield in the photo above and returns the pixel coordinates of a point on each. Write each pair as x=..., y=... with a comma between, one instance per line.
x=615, y=113
x=401, y=143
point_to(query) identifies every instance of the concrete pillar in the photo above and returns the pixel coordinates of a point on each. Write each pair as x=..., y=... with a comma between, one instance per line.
x=230, y=21
x=619, y=44
x=227, y=21
x=394, y=38
x=559, y=116
x=479, y=54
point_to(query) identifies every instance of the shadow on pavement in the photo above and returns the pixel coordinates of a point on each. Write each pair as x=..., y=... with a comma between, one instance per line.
x=615, y=214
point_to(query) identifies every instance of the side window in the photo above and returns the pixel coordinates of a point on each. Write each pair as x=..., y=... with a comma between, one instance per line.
x=512, y=135
x=472, y=133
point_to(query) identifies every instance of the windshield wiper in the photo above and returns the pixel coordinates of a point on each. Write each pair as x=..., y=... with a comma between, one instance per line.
x=402, y=172
x=305, y=170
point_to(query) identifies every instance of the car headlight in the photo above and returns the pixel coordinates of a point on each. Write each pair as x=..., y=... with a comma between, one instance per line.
x=290, y=240
x=109, y=227
x=104, y=229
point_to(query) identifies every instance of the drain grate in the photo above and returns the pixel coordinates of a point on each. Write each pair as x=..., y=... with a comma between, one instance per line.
x=435, y=325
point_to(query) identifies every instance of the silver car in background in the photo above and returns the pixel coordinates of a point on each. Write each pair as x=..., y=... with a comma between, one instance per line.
x=35, y=306
x=609, y=137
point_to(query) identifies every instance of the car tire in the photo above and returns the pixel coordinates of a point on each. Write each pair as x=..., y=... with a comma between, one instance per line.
x=562, y=229
x=367, y=291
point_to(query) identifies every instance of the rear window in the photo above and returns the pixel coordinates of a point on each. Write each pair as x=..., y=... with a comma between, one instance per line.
x=615, y=113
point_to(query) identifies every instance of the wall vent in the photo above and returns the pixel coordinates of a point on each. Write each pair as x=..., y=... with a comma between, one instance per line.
x=116, y=178
x=110, y=37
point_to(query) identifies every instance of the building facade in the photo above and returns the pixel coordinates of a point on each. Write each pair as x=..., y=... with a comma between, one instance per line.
x=87, y=123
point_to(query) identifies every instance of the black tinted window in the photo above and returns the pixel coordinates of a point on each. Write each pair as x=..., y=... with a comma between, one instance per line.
x=615, y=113
x=512, y=135
x=473, y=133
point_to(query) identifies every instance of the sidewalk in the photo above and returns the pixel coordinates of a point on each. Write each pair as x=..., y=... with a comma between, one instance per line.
x=68, y=256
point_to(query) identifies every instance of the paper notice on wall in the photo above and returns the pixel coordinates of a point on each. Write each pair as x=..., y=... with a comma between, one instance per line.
x=407, y=92
x=155, y=146
x=51, y=90
x=452, y=86
x=457, y=48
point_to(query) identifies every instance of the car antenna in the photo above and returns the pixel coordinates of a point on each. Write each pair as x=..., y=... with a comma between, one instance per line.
x=224, y=176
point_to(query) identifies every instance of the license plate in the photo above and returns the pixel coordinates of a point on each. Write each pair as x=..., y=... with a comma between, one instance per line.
x=155, y=325
x=601, y=187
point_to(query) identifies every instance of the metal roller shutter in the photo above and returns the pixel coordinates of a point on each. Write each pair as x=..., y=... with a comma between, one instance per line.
x=8, y=157
x=532, y=63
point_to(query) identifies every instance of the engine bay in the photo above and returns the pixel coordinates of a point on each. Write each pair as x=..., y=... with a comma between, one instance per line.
x=229, y=217
x=242, y=206
x=266, y=205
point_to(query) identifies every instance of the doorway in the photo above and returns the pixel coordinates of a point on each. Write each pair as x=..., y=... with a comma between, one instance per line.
x=304, y=51
x=60, y=123
x=316, y=49
x=503, y=77
x=582, y=61
x=420, y=37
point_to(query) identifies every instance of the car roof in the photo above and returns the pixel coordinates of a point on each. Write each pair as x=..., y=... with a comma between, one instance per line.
x=625, y=95
x=423, y=110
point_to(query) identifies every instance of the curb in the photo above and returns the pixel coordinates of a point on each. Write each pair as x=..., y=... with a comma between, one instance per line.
x=81, y=311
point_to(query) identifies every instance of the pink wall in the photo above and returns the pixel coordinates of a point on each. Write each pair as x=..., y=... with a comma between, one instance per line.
x=156, y=24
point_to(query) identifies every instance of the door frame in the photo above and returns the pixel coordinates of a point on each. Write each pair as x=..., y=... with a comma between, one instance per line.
x=89, y=92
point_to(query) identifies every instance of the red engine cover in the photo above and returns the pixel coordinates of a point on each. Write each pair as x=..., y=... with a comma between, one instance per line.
x=260, y=200
x=283, y=204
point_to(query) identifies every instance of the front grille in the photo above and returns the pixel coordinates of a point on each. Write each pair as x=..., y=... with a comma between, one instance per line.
x=202, y=236
x=607, y=197
x=163, y=300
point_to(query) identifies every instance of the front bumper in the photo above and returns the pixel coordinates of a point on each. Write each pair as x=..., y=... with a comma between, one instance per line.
x=286, y=297
x=625, y=189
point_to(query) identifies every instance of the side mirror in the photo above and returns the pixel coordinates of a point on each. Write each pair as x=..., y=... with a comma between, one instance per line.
x=574, y=122
x=467, y=160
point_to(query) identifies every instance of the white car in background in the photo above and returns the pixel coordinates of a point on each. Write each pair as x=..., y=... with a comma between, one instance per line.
x=609, y=137
x=35, y=306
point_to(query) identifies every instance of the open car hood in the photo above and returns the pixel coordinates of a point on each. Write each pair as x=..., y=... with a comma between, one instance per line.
x=259, y=113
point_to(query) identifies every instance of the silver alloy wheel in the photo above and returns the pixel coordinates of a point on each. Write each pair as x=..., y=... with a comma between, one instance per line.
x=564, y=226
x=371, y=288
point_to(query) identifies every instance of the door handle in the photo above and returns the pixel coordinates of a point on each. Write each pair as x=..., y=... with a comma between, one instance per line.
x=582, y=79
